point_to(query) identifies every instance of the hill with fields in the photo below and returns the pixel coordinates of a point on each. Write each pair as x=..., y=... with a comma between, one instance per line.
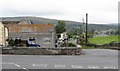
x=70, y=25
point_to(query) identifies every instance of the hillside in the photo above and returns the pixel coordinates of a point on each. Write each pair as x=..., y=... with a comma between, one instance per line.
x=69, y=24
x=36, y=20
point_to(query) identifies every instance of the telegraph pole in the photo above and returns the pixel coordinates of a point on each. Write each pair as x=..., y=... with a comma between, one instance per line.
x=83, y=25
x=86, y=28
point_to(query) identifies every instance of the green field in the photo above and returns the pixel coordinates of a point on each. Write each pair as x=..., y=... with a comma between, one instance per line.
x=104, y=39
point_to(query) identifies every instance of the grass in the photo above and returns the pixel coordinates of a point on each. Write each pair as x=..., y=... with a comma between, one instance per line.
x=104, y=39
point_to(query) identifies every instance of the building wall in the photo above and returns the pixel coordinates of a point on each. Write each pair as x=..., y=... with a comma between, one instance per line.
x=43, y=33
x=43, y=39
x=3, y=35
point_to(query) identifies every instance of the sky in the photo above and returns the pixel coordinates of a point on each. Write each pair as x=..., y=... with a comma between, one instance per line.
x=99, y=11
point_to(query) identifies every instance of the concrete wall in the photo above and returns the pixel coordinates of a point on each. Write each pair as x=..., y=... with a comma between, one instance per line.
x=43, y=51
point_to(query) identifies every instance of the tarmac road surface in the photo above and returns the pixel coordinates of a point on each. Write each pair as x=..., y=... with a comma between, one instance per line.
x=93, y=59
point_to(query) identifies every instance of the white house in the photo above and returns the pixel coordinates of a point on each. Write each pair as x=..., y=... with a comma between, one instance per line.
x=63, y=36
x=3, y=35
x=62, y=40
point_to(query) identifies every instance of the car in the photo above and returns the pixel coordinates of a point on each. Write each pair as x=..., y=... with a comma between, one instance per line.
x=33, y=45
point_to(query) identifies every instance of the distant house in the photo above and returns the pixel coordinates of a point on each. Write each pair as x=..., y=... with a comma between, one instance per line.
x=3, y=35
x=63, y=36
x=62, y=41
x=43, y=34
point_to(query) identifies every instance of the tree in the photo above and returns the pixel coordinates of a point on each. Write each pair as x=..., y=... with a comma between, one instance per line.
x=92, y=31
x=60, y=27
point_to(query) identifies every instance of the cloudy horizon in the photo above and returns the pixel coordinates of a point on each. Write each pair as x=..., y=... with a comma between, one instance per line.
x=99, y=11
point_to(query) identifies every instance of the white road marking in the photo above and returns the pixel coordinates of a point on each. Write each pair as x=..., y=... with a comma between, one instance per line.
x=13, y=64
x=25, y=69
x=93, y=67
x=59, y=66
x=33, y=65
x=17, y=65
x=21, y=67
x=40, y=65
x=109, y=67
x=76, y=66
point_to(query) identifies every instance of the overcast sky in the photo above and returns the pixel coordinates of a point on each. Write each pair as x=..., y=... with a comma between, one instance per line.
x=99, y=11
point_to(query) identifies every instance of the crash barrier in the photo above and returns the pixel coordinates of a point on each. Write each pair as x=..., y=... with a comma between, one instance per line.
x=43, y=51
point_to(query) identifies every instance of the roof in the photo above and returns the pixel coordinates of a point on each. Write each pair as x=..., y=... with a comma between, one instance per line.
x=32, y=28
x=17, y=22
x=10, y=22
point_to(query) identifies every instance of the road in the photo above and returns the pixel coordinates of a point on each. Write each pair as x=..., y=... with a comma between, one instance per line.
x=93, y=59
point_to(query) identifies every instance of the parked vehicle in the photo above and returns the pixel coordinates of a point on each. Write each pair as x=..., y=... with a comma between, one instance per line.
x=33, y=45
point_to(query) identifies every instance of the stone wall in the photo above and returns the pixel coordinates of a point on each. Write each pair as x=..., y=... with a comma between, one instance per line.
x=112, y=45
x=43, y=51
x=43, y=33
x=43, y=39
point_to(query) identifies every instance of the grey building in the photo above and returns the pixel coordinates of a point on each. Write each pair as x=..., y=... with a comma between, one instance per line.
x=43, y=34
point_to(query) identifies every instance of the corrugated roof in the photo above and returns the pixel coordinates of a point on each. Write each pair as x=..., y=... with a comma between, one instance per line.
x=10, y=22
x=34, y=28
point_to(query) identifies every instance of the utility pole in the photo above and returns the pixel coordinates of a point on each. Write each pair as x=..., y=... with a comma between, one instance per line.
x=83, y=35
x=86, y=28
x=80, y=30
x=83, y=25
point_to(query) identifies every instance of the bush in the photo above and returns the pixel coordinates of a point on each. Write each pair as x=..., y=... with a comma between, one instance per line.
x=10, y=42
x=69, y=44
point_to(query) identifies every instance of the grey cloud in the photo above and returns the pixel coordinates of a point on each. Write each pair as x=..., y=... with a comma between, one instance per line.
x=31, y=12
